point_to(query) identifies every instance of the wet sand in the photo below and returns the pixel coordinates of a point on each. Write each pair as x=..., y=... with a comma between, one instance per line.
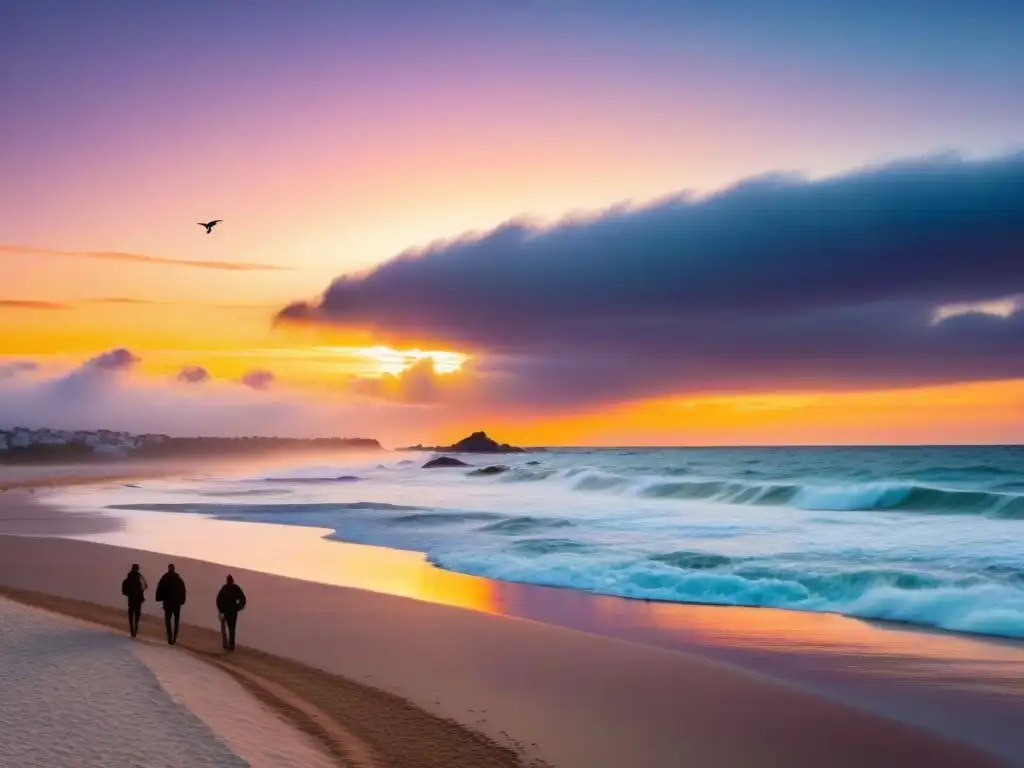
x=409, y=678
x=20, y=515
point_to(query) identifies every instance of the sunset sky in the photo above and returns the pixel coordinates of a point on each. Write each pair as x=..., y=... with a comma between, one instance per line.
x=564, y=221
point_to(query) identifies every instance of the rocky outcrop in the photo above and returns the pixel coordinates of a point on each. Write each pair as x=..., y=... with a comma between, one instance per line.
x=444, y=461
x=495, y=469
x=478, y=442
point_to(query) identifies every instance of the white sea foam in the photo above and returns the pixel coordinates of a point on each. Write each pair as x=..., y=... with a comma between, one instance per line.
x=926, y=535
x=980, y=607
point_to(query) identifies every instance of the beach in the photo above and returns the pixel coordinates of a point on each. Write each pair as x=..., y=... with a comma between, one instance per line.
x=426, y=683
x=75, y=694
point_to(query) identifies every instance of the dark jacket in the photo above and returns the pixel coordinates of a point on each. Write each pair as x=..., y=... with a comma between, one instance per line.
x=170, y=590
x=132, y=587
x=230, y=599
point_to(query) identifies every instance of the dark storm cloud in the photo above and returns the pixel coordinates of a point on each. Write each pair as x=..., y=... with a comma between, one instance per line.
x=775, y=282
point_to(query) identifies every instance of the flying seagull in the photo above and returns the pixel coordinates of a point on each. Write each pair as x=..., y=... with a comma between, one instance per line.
x=210, y=225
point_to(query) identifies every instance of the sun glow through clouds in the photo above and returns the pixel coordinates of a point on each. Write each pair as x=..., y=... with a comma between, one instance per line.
x=394, y=361
x=999, y=308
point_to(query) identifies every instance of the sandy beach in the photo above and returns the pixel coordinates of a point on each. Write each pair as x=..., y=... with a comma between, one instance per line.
x=416, y=683
x=76, y=694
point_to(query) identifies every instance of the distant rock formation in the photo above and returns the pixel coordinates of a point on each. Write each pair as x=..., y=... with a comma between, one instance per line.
x=342, y=479
x=495, y=469
x=444, y=461
x=478, y=442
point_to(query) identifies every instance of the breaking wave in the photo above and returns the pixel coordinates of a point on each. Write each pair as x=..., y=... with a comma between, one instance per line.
x=926, y=536
x=849, y=497
x=527, y=524
x=977, y=604
x=386, y=515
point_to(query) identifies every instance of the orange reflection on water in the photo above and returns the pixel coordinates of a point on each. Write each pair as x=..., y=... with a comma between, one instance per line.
x=818, y=632
x=302, y=553
x=439, y=586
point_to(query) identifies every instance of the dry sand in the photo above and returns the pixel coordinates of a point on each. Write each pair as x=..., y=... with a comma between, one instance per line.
x=242, y=721
x=78, y=695
x=354, y=723
x=404, y=680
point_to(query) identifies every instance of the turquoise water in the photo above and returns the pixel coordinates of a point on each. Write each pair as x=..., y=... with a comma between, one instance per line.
x=931, y=536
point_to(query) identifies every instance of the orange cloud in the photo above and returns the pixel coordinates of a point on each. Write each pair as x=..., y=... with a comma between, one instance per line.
x=118, y=300
x=28, y=304
x=137, y=258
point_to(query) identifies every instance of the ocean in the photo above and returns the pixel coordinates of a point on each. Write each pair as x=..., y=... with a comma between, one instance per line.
x=932, y=536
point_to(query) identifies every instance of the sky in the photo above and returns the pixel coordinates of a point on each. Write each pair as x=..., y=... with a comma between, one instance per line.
x=565, y=222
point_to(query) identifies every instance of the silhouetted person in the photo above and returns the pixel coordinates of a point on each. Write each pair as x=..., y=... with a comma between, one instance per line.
x=170, y=591
x=134, y=588
x=230, y=600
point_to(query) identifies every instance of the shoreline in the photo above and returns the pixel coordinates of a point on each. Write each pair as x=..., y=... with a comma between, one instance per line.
x=105, y=522
x=22, y=494
x=582, y=699
x=876, y=668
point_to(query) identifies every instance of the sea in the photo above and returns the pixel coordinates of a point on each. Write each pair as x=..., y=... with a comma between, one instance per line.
x=930, y=536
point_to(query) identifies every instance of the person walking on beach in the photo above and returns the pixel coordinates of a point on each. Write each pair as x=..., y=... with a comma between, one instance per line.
x=134, y=588
x=170, y=591
x=230, y=600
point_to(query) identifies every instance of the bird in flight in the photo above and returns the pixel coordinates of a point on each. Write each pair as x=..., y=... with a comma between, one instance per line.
x=210, y=225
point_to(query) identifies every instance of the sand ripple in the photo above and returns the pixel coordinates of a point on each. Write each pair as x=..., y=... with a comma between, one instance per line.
x=245, y=724
x=78, y=696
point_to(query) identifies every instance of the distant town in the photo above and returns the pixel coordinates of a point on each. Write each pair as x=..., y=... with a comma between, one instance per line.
x=21, y=444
